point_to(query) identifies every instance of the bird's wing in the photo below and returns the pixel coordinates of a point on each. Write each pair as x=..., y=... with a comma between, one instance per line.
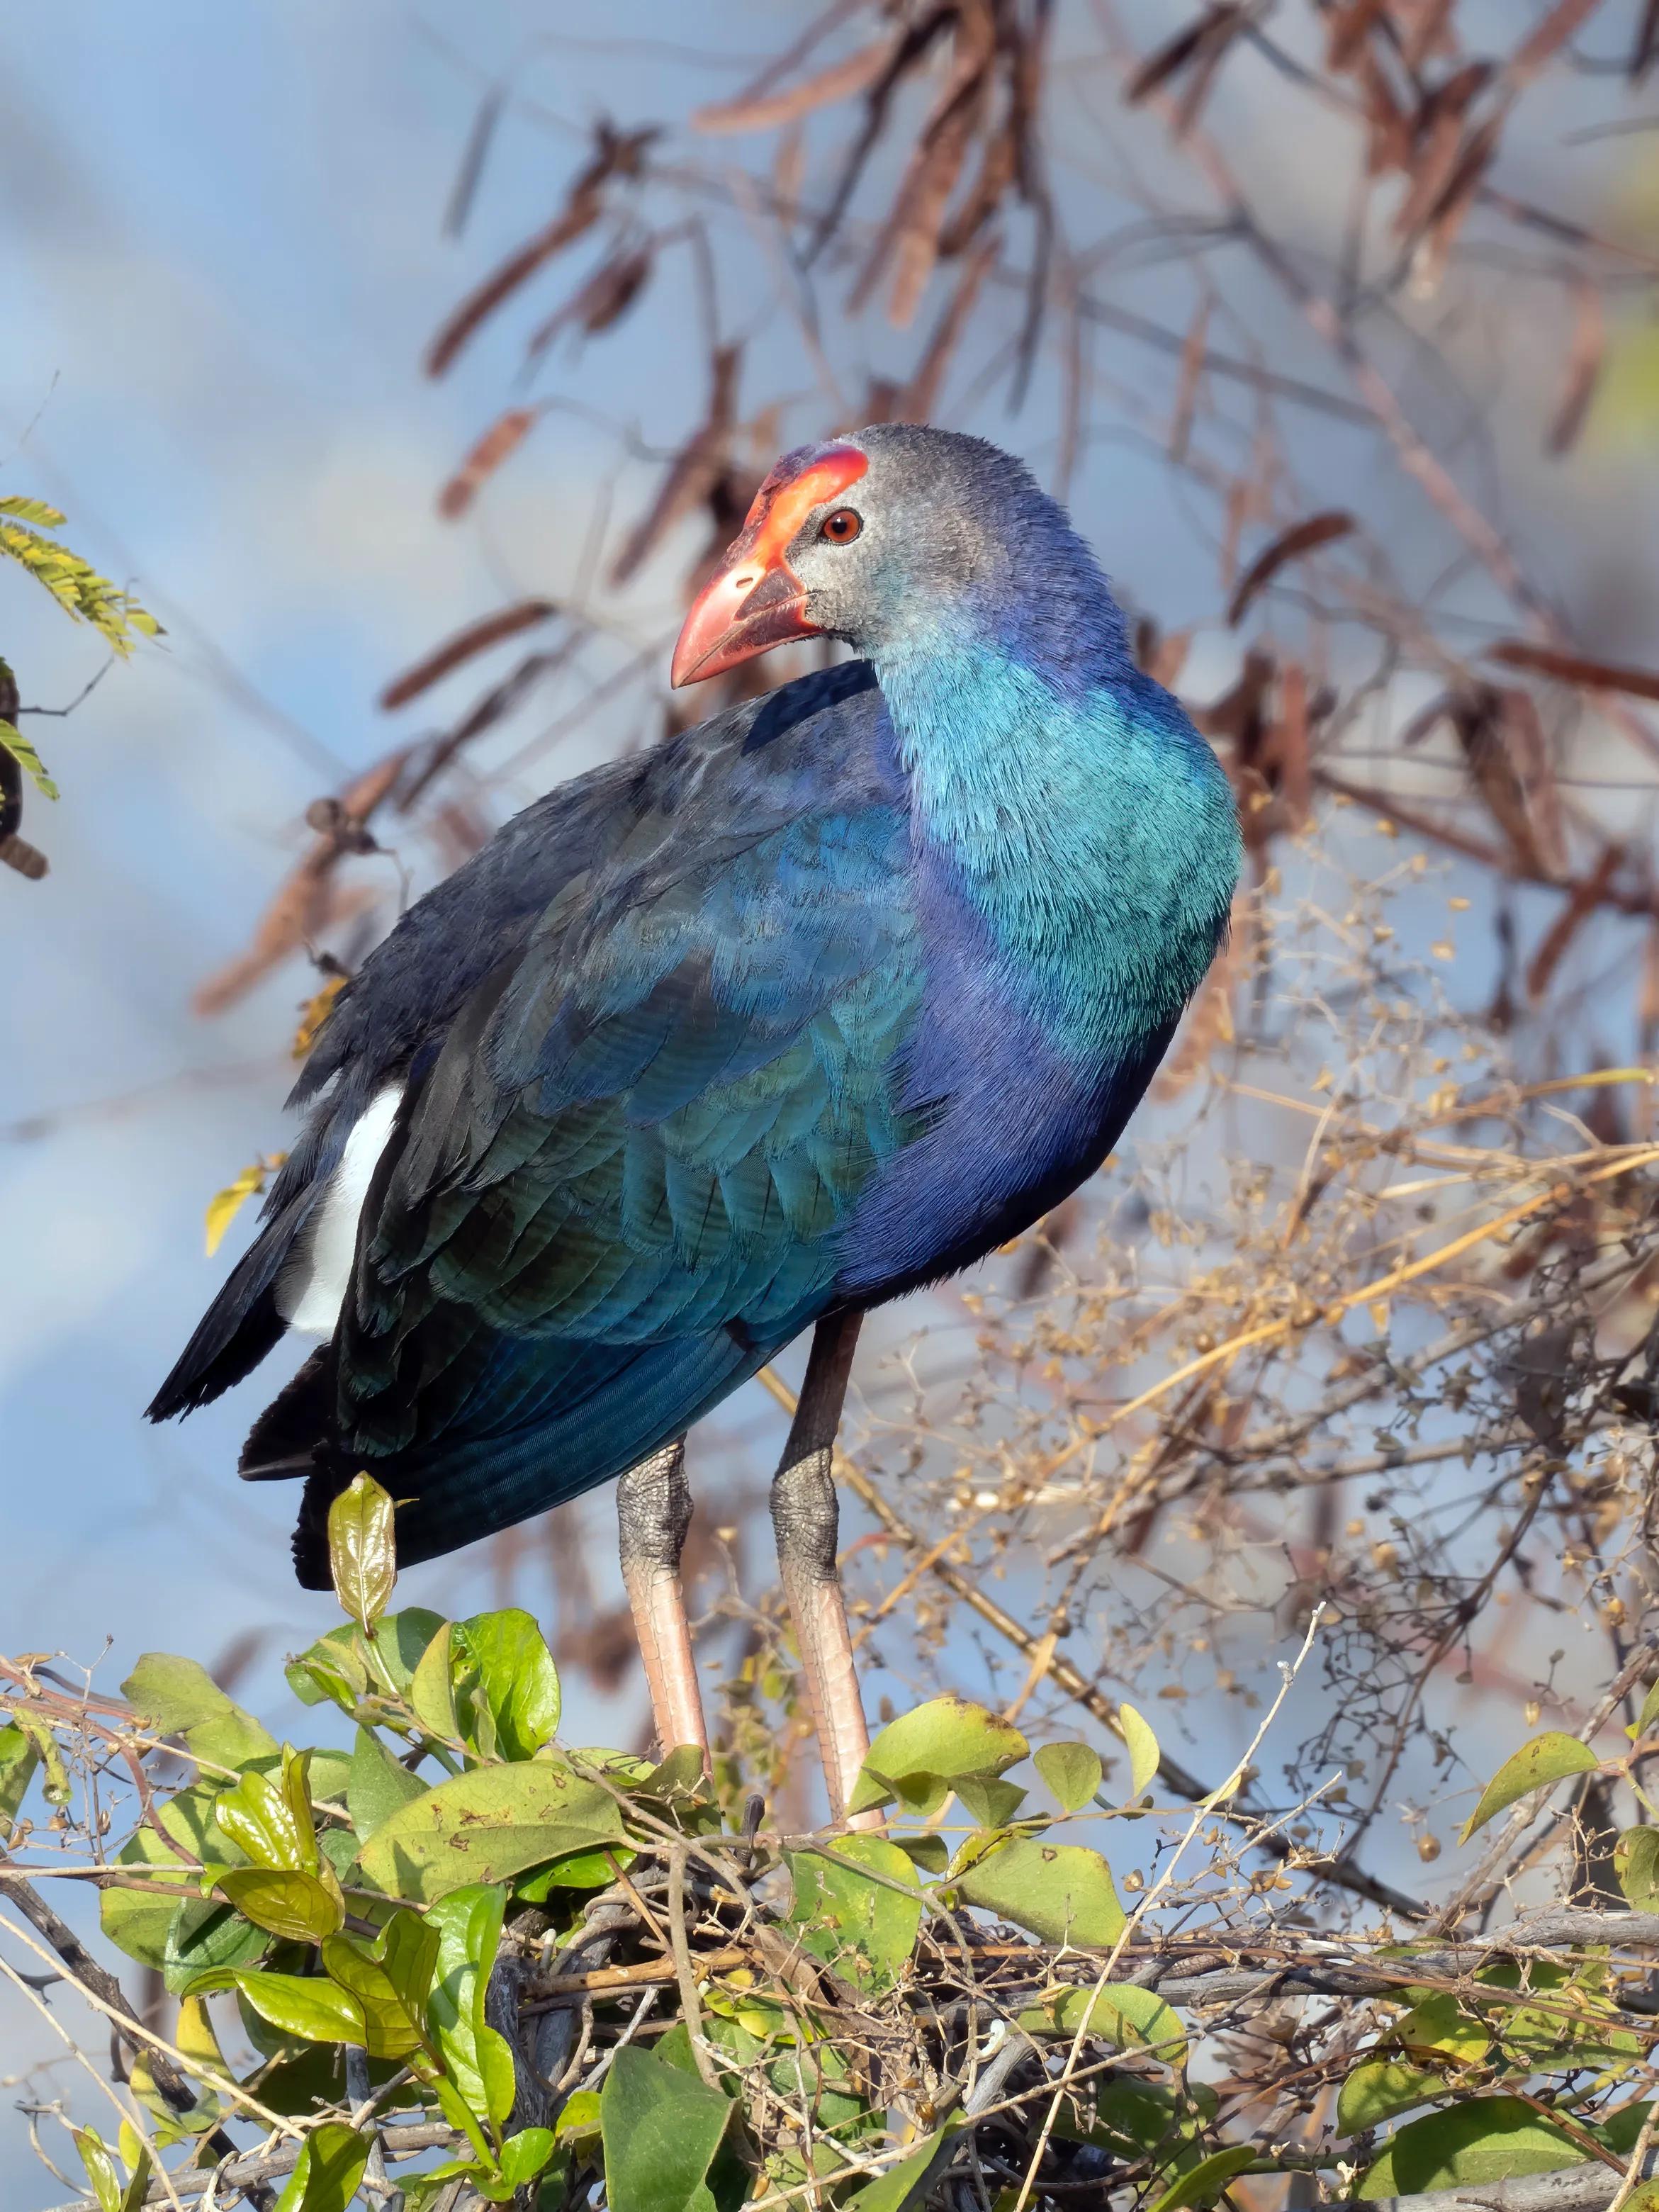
x=390, y=1023
x=620, y=1188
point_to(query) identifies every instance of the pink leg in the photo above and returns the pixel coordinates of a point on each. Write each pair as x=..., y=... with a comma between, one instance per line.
x=806, y=1519
x=653, y=1511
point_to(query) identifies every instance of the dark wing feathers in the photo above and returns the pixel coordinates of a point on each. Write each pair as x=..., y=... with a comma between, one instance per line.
x=654, y=1042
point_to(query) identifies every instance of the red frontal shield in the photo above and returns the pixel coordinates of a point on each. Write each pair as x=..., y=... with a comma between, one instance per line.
x=754, y=601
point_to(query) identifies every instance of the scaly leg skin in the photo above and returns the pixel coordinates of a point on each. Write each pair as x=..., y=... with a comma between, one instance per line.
x=653, y=1511
x=806, y=1519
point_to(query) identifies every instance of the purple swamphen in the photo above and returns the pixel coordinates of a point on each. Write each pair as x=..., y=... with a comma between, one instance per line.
x=811, y=1005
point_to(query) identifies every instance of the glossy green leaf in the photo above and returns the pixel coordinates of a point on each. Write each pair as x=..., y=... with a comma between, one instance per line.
x=204, y=1934
x=660, y=2128
x=389, y=1980
x=101, y=2171
x=303, y=1908
x=175, y=1697
x=18, y=1761
x=1477, y=2141
x=861, y=1929
x=1636, y=1863
x=919, y=1757
x=1071, y=1773
x=1144, y=1753
x=1441, y=2023
x=362, y=1551
x=329, y=2168
x=503, y=1670
x=524, y=2154
x=310, y=2007
x=432, y=1689
x=485, y=1825
x=1547, y=1759
x=1382, y=2088
x=1133, y=2019
x=1201, y=2185
x=478, y=2060
x=378, y=1786
x=1059, y=1892
x=1648, y=1716
x=270, y=1821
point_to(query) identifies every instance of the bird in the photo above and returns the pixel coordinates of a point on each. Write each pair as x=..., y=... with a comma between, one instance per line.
x=807, y=1007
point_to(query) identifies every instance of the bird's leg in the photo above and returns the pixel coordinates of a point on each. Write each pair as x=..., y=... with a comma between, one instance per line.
x=805, y=1520
x=653, y=1511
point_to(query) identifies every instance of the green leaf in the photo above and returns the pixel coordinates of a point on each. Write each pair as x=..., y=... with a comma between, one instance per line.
x=477, y=2060
x=1441, y=2023
x=931, y=1853
x=303, y=2005
x=329, y=2168
x=1380, y=2089
x=31, y=510
x=55, y=1785
x=991, y=1802
x=1636, y=1863
x=137, y=1921
x=363, y=1552
x=1202, y=2184
x=861, y=1929
x=380, y=1785
x=23, y=752
x=524, y=2154
x=432, y=1689
x=1133, y=2019
x=919, y=1757
x=1144, y=1757
x=660, y=2128
x=905, y=2184
x=1059, y=1892
x=1071, y=1773
x=101, y=2169
x=204, y=1934
x=303, y=1908
x=18, y=1761
x=390, y=1980
x=1649, y=1715
x=175, y=1697
x=271, y=1822
x=485, y=1825
x=1548, y=1758
x=503, y=1671
x=1475, y=2141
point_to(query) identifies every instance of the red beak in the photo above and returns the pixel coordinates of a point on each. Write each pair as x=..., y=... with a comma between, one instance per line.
x=755, y=601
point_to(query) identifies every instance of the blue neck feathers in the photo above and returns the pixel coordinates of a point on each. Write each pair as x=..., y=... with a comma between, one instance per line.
x=1087, y=820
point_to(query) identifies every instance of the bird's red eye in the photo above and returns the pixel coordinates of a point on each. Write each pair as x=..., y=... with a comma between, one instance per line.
x=842, y=527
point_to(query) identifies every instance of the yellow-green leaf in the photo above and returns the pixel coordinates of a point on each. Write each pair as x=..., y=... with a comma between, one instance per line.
x=1636, y=1863
x=1059, y=1892
x=225, y=1204
x=18, y=1760
x=919, y=1757
x=1547, y=1759
x=362, y=1551
x=301, y=1907
x=1202, y=2184
x=27, y=758
x=1071, y=1771
x=487, y=1824
x=1472, y=2144
x=327, y=2171
x=1133, y=2019
x=1380, y=2089
x=1144, y=1753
